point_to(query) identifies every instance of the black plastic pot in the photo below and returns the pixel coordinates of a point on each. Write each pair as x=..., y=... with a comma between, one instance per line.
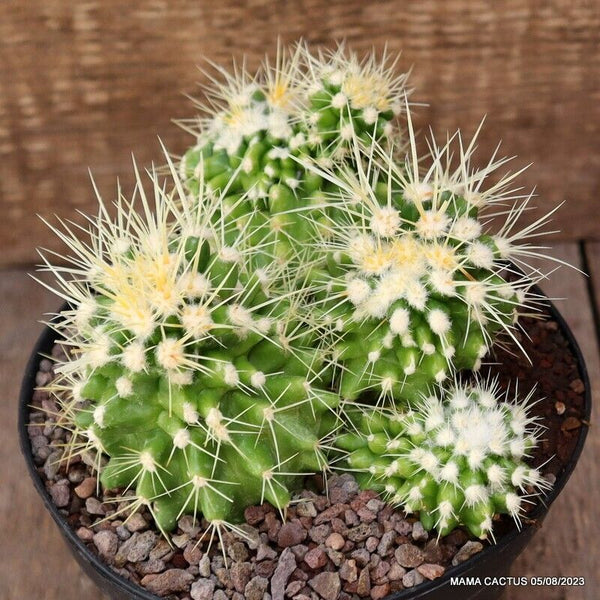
x=483, y=570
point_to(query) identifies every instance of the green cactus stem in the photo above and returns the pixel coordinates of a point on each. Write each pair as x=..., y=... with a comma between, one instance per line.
x=457, y=457
x=408, y=284
x=185, y=368
x=256, y=128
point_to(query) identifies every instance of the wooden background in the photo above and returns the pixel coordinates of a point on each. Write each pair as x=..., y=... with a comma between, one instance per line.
x=83, y=83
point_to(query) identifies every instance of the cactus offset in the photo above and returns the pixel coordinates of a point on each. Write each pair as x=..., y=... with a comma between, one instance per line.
x=410, y=286
x=257, y=127
x=184, y=366
x=457, y=457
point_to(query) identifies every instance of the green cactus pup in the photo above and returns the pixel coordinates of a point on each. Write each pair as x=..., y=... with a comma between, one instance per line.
x=411, y=286
x=184, y=369
x=457, y=457
x=256, y=127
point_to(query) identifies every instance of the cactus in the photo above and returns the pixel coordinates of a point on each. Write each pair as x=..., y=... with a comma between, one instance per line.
x=296, y=260
x=410, y=286
x=257, y=127
x=184, y=367
x=457, y=456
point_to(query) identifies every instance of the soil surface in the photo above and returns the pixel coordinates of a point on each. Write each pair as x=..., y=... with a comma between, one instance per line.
x=342, y=545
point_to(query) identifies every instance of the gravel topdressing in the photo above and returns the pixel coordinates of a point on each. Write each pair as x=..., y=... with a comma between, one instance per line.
x=344, y=545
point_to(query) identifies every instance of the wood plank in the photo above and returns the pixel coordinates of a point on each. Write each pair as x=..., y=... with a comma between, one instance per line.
x=36, y=563
x=569, y=541
x=82, y=84
x=592, y=253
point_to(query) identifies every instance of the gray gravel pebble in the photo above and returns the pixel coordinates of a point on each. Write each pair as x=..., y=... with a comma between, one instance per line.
x=469, y=549
x=204, y=566
x=285, y=567
x=136, y=548
x=107, y=543
x=202, y=589
x=412, y=578
x=60, y=494
x=418, y=532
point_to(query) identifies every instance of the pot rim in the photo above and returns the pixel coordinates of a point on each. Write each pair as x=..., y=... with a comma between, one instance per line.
x=47, y=339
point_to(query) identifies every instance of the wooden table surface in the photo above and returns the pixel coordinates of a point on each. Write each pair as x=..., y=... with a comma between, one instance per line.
x=35, y=563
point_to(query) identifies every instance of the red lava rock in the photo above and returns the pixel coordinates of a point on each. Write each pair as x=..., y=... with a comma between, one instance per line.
x=298, y=575
x=366, y=515
x=329, y=513
x=192, y=553
x=577, y=386
x=285, y=567
x=319, y=533
x=431, y=571
x=348, y=570
x=571, y=423
x=173, y=580
x=299, y=551
x=315, y=558
x=327, y=585
x=293, y=588
x=409, y=555
x=254, y=515
x=363, y=587
x=107, y=543
x=85, y=534
x=334, y=556
x=468, y=550
x=60, y=494
x=136, y=522
x=351, y=518
x=265, y=568
x=335, y=541
x=86, y=488
x=290, y=534
x=240, y=575
x=273, y=525
x=378, y=574
x=256, y=588
x=338, y=526
x=361, y=532
x=361, y=556
x=372, y=543
x=432, y=552
x=396, y=572
x=380, y=591
x=179, y=561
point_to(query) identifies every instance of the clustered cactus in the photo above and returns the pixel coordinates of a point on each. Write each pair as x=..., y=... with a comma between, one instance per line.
x=295, y=297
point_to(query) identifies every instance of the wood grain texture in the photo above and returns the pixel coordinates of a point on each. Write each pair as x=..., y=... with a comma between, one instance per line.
x=592, y=252
x=569, y=542
x=37, y=564
x=83, y=84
